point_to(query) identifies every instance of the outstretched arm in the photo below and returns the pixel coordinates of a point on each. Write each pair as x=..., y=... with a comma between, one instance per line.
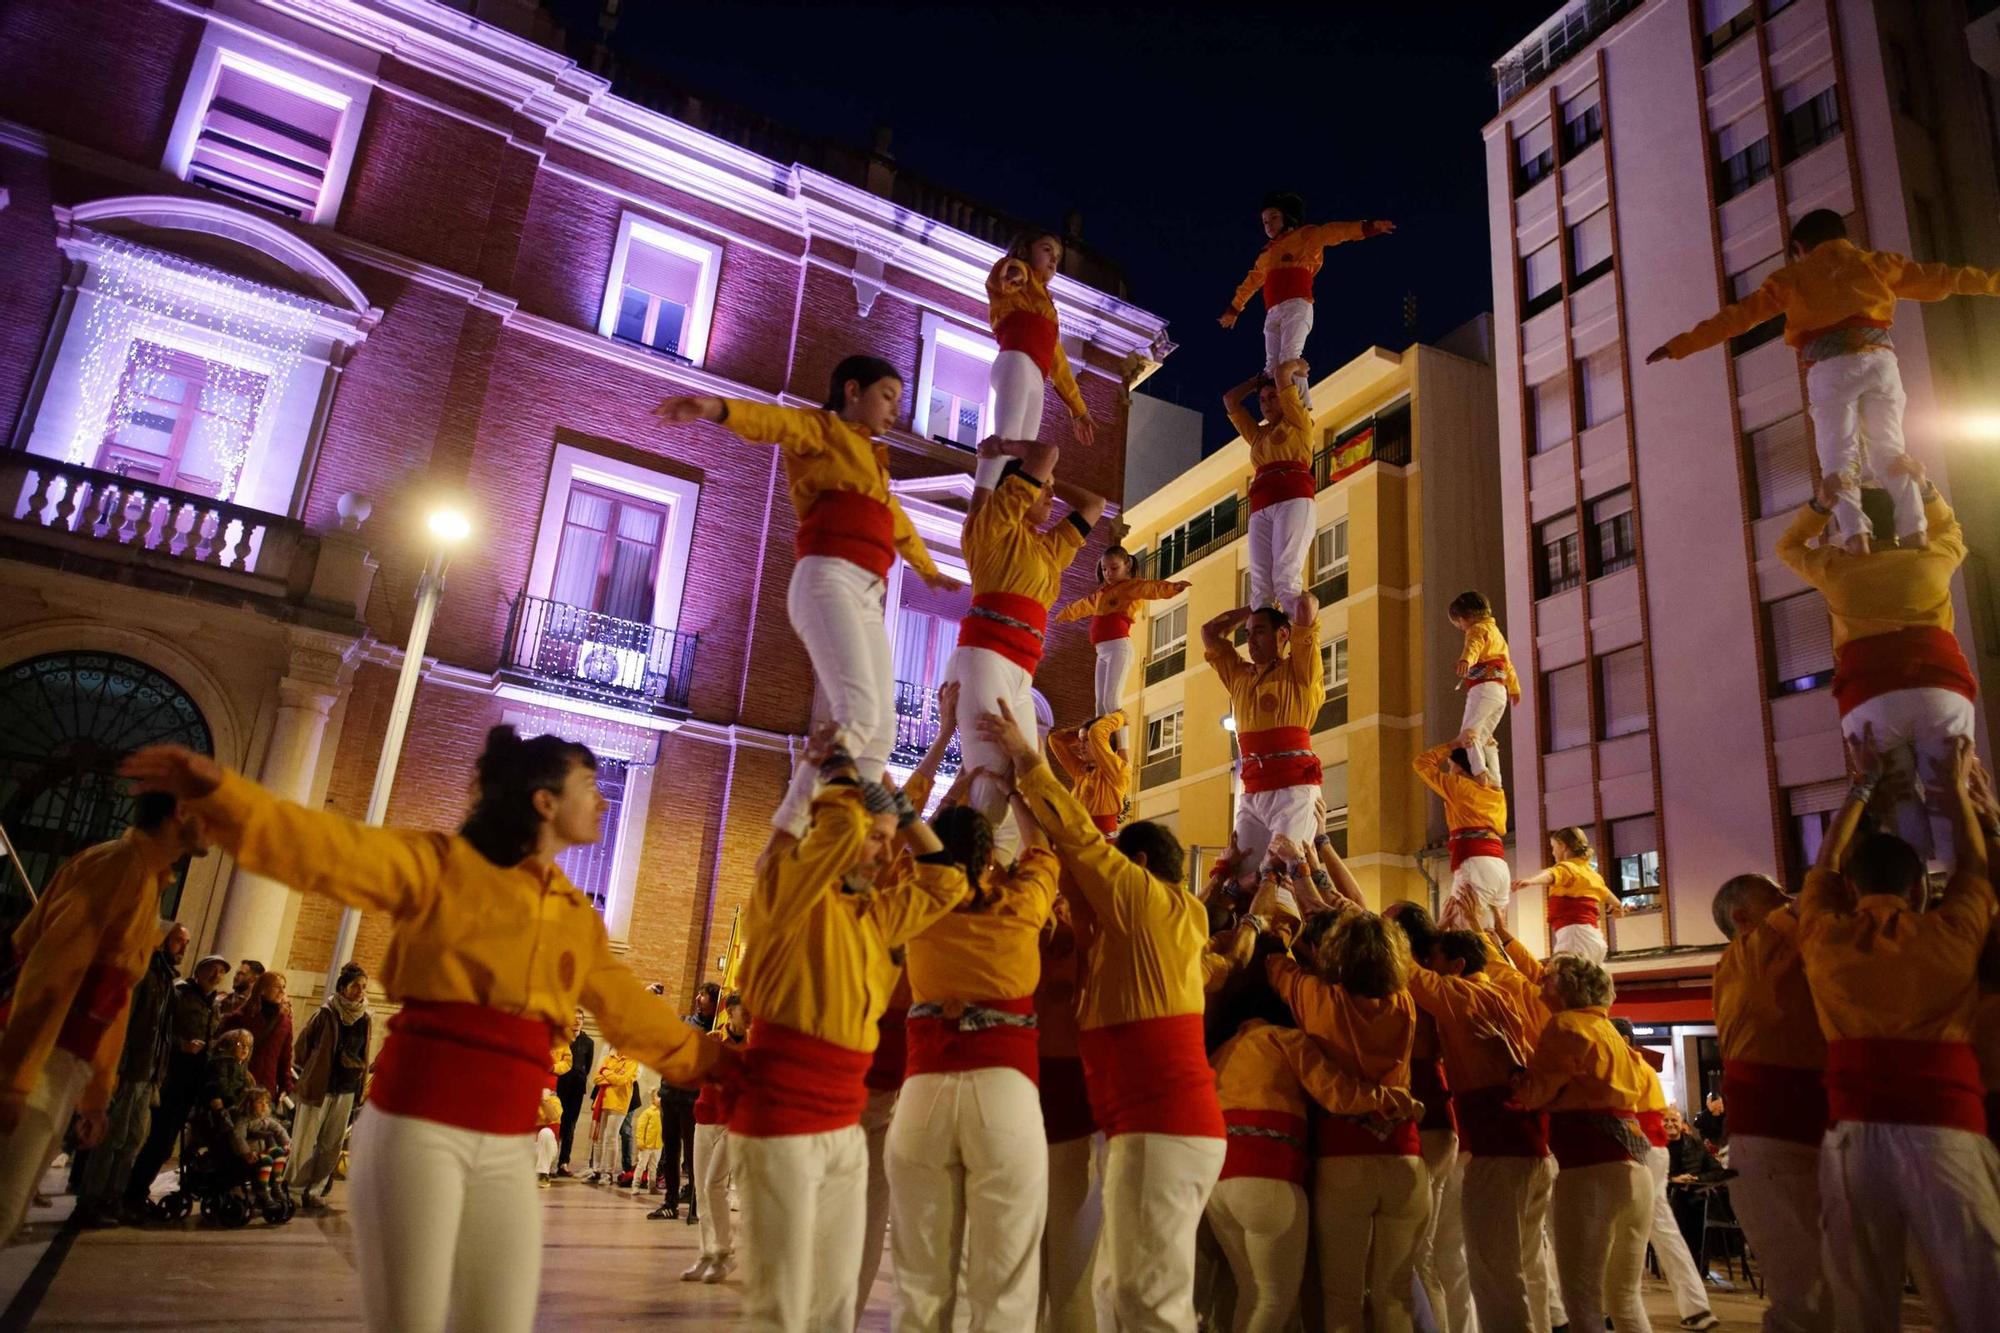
x=1726, y=323
x=1934, y=282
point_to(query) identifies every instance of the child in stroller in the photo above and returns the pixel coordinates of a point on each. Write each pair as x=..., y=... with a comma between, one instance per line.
x=233, y=1156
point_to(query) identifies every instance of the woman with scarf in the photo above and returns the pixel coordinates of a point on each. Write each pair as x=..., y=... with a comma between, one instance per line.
x=332, y=1058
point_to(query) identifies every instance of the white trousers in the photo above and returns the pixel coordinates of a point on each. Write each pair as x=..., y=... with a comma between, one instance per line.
x=1856, y=402
x=1261, y=1226
x=1914, y=730
x=1888, y=1192
x=1480, y=884
x=805, y=1199
x=606, y=1158
x=1504, y=1207
x=1370, y=1211
x=1584, y=941
x=1286, y=325
x=1442, y=1293
x=1676, y=1264
x=836, y=608
x=1290, y=812
x=985, y=680
x=644, y=1160
x=316, y=1137
x=26, y=1151
x=1485, y=705
x=711, y=1173
x=1156, y=1187
x=968, y=1191
x=1069, y=1241
x=875, y=1120
x=1018, y=398
x=1114, y=668
x=1602, y=1216
x=447, y=1230
x=1776, y=1197
x=1280, y=536
x=547, y=1146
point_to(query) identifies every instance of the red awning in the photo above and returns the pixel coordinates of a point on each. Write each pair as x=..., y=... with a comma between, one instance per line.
x=1665, y=1004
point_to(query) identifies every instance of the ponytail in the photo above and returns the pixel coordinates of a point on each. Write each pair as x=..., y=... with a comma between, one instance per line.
x=504, y=825
x=967, y=836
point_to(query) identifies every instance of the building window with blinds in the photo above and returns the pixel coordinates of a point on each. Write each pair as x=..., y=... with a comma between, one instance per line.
x=660, y=293
x=1740, y=286
x=1781, y=465
x=1534, y=157
x=1601, y=378
x=1742, y=155
x=1163, y=749
x=1590, y=249
x=1635, y=862
x=1566, y=710
x=1559, y=568
x=1333, y=670
x=1799, y=639
x=1809, y=812
x=1807, y=118
x=1541, y=279
x=267, y=138
x=1621, y=692
x=609, y=557
x=1723, y=21
x=1549, y=416
x=1333, y=790
x=1583, y=123
x=1329, y=563
x=1613, y=541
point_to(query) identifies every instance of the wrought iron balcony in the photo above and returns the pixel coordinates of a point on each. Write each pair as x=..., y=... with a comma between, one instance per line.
x=586, y=654
x=917, y=724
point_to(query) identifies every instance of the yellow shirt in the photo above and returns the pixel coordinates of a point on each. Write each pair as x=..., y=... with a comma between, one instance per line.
x=824, y=453
x=616, y=1076
x=1366, y=1038
x=646, y=1130
x=1287, y=693
x=1468, y=804
x=817, y=956
x=1577, y=878
x=1877, y=969
x=1518, y=972
x=1286, y=440
x=1485, y=643
x=1303, y=247
x=1581, y=1063
x=520, y=939
x=1266, y=1068
x=1030, y=295
x=95, y=925
x=1004, y=552
x=1098, y=774
x=1763, y=1006
x=1481, y=1033
x=993, y=952
x=1883, y=591
x=1146, y=937
x=1121, y=598
x=1835, y=282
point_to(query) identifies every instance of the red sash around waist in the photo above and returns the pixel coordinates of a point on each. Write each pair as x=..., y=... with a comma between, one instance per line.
x=1889, y=1081
x=1032, y=335
x=1570, y=909
x=1653, y=1124
x=1151, y=1076
x=1593, y=1138
x=1268, y=1144
x=1775, y=1102
x=1286, y=284
x=1488, y=1127
x=463, y=1065
x=939, y=1046
x=1105, y=629
x=1065, y=1099
x=1428, y=1085
x=796, y=1084
x=1275, y=483
x=885, y=1072
x=1022, y=647
x=849, y=526
x=1468, y=843
x=1355, y=1136
x=1922, y=657
x=1294, y=765
x=101, y=996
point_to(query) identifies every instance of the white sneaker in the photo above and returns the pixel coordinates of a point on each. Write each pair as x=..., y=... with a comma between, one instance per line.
x=698, y=1270
x=719, y=1268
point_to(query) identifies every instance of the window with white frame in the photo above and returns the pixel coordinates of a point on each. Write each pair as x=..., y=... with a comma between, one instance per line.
x=1329, y=562
x=954, y=401
x=1163, y=735
x=660, y=292
x=923, y=647
x=1333, y=670
x=614, y=538
x=1168, y=631
x=1333, y=790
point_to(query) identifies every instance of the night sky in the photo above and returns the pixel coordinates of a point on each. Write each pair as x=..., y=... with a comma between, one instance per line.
x=1165, y=126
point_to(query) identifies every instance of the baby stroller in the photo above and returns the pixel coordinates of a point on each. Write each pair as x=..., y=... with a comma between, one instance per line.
x=214, y=1176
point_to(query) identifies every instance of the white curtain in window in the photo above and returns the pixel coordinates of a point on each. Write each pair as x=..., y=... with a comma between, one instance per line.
x=922, y=645
x=1782, y=458
x=1623, y=675
x=635, y=564
x=1569, y=708
x=586, y=528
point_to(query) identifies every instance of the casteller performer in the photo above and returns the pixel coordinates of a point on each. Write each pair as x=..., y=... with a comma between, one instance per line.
x=1031, y=351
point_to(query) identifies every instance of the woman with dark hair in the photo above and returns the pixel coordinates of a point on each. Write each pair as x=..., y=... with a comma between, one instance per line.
x=850, y=531
x=1031, y=351
x=491, y=949
x=1118, y=599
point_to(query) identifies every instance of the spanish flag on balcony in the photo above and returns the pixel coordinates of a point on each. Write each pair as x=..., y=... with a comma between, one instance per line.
x=1348, y=454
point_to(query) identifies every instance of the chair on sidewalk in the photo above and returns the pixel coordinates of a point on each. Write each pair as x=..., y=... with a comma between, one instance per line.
x=1719, y=1227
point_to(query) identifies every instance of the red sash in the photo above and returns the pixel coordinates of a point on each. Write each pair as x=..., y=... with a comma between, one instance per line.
x=1593, y=1138
x=1350, y=1136
x=937, y=1046
x=1653, y=1124
x=463, y=1065
x=1018, y=646
x=1920, y=658
x=1105, y=629
x=1465, y=846
x=849, y=526
x=1488, y=1127
x=101, y=996
x=1285, y=284
x=796, y=1084
x=1065, y=1100
x=1297, y=770
x=1032, y=335
x=885, y=1072
x=1888, y=1081
x=1428, y=1085
x=1275, y=483
x=1775, y=1102
x=1262, y=1154
x=1151, y=1076
x=1570, y=909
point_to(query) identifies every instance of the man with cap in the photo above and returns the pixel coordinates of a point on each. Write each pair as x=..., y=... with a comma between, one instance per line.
x=190, y=1023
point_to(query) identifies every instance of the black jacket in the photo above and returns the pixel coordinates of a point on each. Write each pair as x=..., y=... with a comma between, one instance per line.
x=144, y=1059
x=572, y=1085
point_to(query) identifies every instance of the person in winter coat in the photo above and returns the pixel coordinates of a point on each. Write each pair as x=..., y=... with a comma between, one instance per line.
x=332, y=1056
x=572, y=1083
x=140, y=1068
x=267, y=1017
x=190, y=1025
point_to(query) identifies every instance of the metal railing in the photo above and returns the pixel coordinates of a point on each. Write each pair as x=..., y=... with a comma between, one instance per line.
x=1332, y=713
x=917, y=724
x=181, y=526
x=1555, y=43
x=1156, y=771
x=1207, y=532
x=586, y=654
x=1167, y=665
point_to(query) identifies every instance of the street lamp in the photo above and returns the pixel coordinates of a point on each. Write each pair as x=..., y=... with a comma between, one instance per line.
x=448, y=527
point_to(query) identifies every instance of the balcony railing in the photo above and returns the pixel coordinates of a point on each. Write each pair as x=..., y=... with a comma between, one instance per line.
x=114, y=511
x=1554, y=43
x=1332, y=713
x=1156, y=771
x=586, y=654
x=1167, y=665
x=917, y=723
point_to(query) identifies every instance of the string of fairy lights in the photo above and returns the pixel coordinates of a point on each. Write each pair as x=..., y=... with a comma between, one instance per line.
x=155, y=315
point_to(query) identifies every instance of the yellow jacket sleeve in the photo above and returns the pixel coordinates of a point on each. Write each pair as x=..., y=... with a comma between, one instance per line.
x=640, y=1023
x=1291, y=407
x=1247, y=288
x=1333, y=1088
x=1147, y=590
x=1741, y=317
x=1807, y=561
x=1945, y=540
x=1115, y=888
x=909, y=544
x=790, y=878
x=917, y=893
x=1303, y=657
x=1228, y=663
x=1097, y=741
x=1934, y=282
x=790, y=428
x=1326, y=235
x=1078, y=609
x=1246, y=425
x=1066, y=746
x=1065, y=380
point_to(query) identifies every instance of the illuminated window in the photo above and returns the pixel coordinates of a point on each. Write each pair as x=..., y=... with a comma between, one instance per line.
x=180, y=420
x=954, y=401
x=661, y=289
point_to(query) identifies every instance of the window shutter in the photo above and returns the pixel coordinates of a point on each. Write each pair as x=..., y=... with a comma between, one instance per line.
x=1635, y=836
x=1801, y=637
x=1533, y=143
x=1542, y=270
x=1733, y=138
x=1819, y=798
x=1590, y=241
x=265, y=143
x=1603, y=376
x=662, y=273
x=1624, y=678
x=1715, y=13
x=1782, y=459
x=1569, y=708
x=1552, y=419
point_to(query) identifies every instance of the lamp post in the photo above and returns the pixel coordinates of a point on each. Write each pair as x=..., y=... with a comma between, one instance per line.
x=448, y=527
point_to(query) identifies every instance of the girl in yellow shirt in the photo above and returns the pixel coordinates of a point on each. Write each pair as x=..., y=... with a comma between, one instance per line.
x=1578, y=897
x=1111, y=609
x=1023, y=317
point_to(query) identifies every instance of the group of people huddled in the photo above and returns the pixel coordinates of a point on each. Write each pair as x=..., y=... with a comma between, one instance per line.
x=1009, y=1034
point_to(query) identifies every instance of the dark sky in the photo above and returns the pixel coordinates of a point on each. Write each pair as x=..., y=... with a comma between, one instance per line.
x=1165, y=125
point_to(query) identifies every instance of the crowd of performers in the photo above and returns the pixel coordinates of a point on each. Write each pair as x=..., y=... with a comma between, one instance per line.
x=1011, y=1037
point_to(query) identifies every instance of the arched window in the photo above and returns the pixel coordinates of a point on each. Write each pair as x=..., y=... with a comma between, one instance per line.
x=66, y=719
